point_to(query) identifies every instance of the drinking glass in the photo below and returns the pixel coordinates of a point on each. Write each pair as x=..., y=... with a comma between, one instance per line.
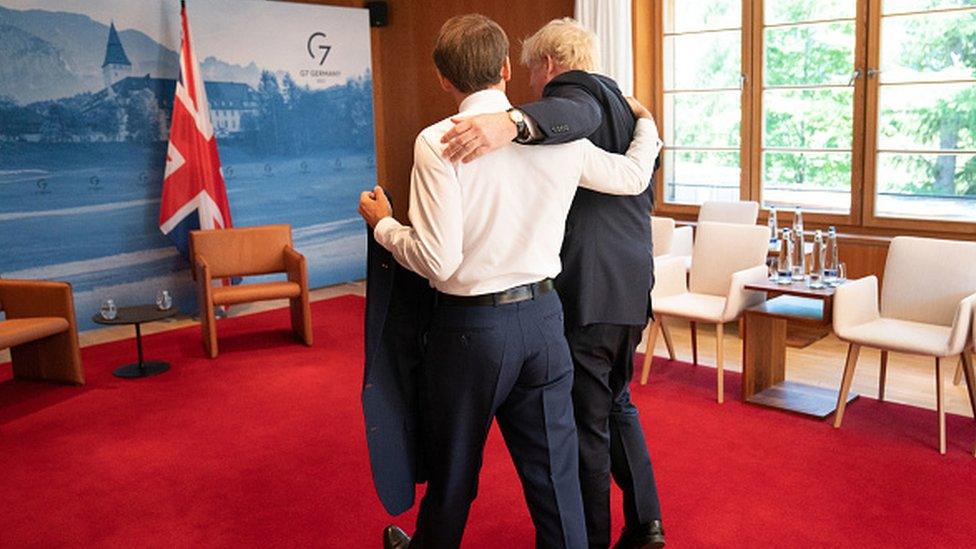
x=164, y=301
x=816, y=281
x=830, y=276
x=841, y=275
x=108, y=310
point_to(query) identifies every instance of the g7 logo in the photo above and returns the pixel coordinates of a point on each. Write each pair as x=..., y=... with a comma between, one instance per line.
x=317, y=38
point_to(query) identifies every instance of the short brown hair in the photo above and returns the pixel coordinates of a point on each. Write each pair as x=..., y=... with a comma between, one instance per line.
x=470, y=52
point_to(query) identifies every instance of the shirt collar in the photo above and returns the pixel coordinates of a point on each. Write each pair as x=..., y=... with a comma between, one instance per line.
x=483, y=101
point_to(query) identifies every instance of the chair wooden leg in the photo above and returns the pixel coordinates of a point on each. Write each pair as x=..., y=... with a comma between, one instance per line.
x=883, y=375
x=720, y=360
x=957, y=377
x=694, y=342
x=845, y=386
x=652, y=330
x=967, y=367
x=940, y=404
x=208, y=325
x=667, y=340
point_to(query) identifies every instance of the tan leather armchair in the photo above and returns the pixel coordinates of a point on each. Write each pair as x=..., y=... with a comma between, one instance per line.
x=228, y=253
x=40, y=330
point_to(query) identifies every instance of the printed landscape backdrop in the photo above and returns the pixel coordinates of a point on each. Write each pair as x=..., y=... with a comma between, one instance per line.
x=86, y=90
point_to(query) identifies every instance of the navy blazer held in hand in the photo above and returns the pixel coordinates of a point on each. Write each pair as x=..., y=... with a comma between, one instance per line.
x=398, y=308
x=606, y=255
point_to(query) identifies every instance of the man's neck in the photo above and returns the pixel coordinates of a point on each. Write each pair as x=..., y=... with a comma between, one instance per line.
x=559, y=70
x=460, y=97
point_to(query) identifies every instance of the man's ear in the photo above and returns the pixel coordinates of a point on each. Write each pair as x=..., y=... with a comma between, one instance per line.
x=445, y=83
x=550, y=68
x=507, y=69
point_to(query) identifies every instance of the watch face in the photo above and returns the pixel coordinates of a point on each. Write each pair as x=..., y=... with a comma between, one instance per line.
x=516, y=116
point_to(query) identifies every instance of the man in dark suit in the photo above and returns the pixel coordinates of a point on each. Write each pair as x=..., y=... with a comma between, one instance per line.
x=607, y=272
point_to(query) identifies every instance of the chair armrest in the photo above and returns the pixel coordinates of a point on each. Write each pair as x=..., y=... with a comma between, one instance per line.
x=295, y=266
x=670, y=277
x=855, y=303
x=961, y=323
x=740, y=299
x=682, y=241
x=201, y=270
x=37, y=298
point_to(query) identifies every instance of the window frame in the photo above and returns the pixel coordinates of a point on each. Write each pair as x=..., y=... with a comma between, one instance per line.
x=864, y=141
x=871, y=219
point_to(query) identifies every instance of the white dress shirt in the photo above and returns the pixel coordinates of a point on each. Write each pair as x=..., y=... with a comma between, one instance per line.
x=498, y=222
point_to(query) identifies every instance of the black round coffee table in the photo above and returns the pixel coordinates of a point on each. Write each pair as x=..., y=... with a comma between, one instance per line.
x=137, y=315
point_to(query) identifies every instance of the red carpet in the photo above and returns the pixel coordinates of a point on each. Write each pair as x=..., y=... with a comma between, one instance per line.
x=265, y=447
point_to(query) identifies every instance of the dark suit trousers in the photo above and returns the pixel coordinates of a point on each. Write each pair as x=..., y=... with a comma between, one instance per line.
x=511, y=362
x=610, y=433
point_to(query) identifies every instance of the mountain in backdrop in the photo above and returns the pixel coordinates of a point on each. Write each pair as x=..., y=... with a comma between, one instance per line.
x=51, y=55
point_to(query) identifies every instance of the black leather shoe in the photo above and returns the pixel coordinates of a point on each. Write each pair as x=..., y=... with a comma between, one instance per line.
x=646, y=536
x=395, y=538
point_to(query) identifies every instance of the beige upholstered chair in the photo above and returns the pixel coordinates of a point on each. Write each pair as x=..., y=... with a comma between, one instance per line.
x=726, y=258
x=926, y=308
x=741, y=212
x=662, y=232
x=662, y=235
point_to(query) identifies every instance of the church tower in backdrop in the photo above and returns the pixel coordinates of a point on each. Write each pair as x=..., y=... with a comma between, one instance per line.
x=116, y=65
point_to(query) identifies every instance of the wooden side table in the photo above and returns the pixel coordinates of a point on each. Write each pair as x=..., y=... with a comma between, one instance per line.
x=764, y=348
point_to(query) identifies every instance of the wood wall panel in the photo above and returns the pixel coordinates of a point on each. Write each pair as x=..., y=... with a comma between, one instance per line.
x=406, y=95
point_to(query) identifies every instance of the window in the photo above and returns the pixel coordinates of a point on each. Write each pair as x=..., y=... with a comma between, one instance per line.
x=702, y=100
x=926, y=97
x=862, y=112
x=808, y=104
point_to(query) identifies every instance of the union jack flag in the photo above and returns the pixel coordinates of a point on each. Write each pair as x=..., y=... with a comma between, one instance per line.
x=194, y=195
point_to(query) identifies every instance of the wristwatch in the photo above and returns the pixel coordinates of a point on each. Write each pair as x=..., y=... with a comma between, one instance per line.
x=522, y=129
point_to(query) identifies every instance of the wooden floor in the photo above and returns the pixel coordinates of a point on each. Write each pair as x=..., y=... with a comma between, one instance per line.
x=911, y=380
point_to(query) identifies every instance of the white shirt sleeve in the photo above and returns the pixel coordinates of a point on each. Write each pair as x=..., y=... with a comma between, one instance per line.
x=628, y=174
x=432, y=247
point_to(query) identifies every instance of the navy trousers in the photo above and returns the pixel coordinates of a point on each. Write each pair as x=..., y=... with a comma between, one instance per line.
x=610, y=433
x=509, y=362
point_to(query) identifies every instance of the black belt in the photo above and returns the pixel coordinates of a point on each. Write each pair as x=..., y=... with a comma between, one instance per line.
x=524, y=292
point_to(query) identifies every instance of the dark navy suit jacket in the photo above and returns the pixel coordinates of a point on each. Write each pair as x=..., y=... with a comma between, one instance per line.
x=398, y=308
x=607, y=262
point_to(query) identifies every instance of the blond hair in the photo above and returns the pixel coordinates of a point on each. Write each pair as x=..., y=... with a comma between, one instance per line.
x=566, y=42
x=470, y=52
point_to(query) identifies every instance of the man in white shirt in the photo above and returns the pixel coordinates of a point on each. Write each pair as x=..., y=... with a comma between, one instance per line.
x=489, y=243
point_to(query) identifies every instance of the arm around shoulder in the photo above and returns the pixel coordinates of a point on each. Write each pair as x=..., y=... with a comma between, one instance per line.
x=628, y=174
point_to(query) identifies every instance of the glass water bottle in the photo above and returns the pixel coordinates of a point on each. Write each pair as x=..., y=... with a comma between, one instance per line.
x=817, y=266
x=799, y=256
x=831, y=258
x=784, y=262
